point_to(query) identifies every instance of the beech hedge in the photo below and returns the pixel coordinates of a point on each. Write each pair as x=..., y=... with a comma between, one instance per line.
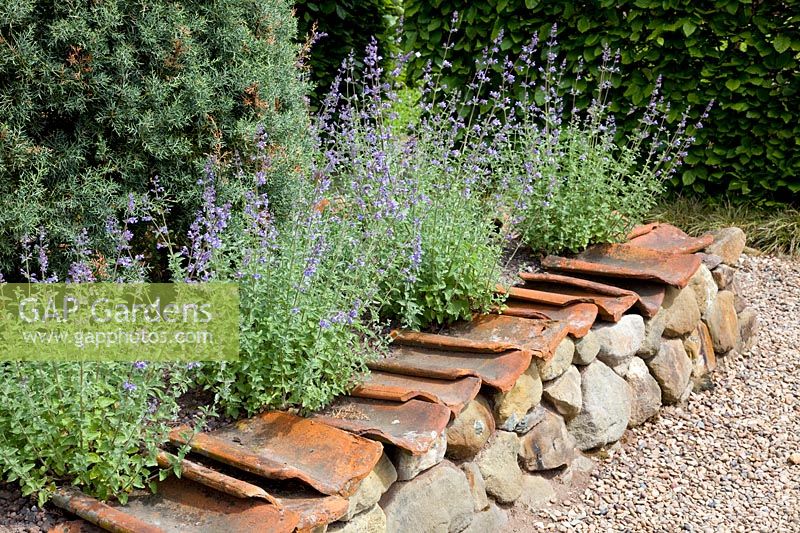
x=742, y=54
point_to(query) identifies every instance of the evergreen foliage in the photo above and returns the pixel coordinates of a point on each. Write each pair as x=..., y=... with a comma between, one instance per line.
x=348, y=26
x=743, y=55
x=96, y=98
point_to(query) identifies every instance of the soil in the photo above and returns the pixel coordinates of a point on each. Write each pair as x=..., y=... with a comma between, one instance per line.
x=19, y=513
x=518, y=258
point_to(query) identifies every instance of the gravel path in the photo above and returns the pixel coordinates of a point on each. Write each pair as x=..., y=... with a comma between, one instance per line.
x=720, y=463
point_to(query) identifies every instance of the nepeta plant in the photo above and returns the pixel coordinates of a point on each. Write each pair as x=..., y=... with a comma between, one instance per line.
x=418, y=190
x=304, y=287
x=93, y=424
x=564, y=177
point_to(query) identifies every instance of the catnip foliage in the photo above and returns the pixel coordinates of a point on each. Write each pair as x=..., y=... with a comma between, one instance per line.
x=419, y=182
x=97, y=425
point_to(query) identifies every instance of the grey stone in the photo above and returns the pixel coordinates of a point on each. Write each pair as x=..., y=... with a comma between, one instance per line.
x=621, y=340
x=548, y=445
x=477, y=485
x=672, y=368
x=723, y=276
x=409, y=465
x=371, y=521
x=748, y=329
x=536, y=492
x=700, y=349
x=728, y=244
x=723, y=323
x=740, y=302
x=653, y=330
x=645, y=393
x=711, y=261
x=736, y=287
x=533, y=417
x=490, y=520
x=586, y=349
x=438, y=500
x=564, y=392
x=510, y=407
x=560, y=362
x=371, y=488
x=622, y=369
x=686, y=393
x=682, y=311
x=498, y=465
x=579, y=469
x=704, y=288
x=606, y=407
x=470, y=430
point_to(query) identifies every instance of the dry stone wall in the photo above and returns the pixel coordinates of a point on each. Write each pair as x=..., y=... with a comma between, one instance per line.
x=451, y=428
x=512, y=446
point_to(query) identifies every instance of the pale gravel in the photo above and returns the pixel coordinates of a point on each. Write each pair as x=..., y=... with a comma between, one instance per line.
x=719, y=463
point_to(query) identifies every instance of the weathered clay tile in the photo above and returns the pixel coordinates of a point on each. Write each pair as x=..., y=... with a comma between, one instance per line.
x=454, y=394
x=642, y=229
x=413, y=425
x=314, y=510
x=625, y=261
x=445, y=342
x=101, y=514
x=181, y=506
x=668, y=238
x=578, y=317
x=278, y=445
x=540, y=337
x=650, y=294
x=554, y=289
x=216, y=480
x=496, y=370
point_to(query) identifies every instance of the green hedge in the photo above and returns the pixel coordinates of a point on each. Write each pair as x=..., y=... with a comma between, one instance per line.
x=741, y=54
x=96, y=98
x=349, y=25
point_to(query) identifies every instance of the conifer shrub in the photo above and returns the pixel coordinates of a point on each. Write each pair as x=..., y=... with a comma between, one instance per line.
x=99, y=97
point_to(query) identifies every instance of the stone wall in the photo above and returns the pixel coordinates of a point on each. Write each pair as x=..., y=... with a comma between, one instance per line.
x=515, y=446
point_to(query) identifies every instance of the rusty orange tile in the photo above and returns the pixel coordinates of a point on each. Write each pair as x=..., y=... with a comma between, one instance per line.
x=444, y=342
x=612, y=302
x=101, y=514
x=540, y=337
x=453, y=394
x=641, y=230
x=413, y=425
x=181, y=506
x=668, y=238
x=314, y=510
x=279, y=445
x=543, y=297
x=496, y=370
x=650, y=294
x=544, y=281
x=216, y=480
x=608, y=307
x=578, y=317
x=624, y=261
